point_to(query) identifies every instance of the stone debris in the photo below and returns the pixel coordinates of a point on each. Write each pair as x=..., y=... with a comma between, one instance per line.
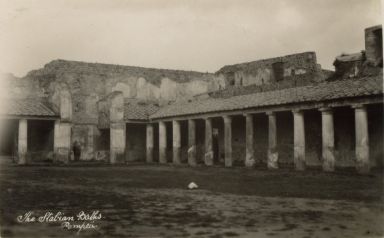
x=192, y=185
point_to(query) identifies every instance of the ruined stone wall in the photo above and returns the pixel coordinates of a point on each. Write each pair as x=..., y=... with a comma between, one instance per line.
x=90, y=82
x=269, y=70
x=374, y=45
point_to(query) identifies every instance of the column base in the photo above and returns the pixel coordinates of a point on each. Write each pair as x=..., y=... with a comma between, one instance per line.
x=162, y=156
x=22, y=158
x=328, y=160
x=273, y=158
x=192, y=156
x=149, y=155
x=363, y=168
x=228, y=162
x=208, y=158
x=176, y=155
x=249, y=161
x=117, y=157
x=299, y=161
x=362, y=160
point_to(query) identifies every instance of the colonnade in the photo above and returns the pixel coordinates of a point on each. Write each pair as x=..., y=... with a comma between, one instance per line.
x=299, y=140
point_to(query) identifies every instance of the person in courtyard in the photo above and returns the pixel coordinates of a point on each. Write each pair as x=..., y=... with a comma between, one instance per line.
x=76, y=150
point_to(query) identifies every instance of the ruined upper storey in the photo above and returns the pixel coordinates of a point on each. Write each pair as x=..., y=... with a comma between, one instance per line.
x=152, y=75
x=269, y=71
x=90, y=82
x=364, y=63
x=374, y=45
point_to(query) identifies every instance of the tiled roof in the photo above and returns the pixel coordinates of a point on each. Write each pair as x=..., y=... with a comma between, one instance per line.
x=28, y=107
x=135, y=109
x=323, y=91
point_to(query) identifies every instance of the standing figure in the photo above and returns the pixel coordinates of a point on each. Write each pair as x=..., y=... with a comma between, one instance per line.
x=76, y=150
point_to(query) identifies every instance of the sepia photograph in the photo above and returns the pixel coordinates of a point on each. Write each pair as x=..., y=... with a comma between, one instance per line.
x=191, y=118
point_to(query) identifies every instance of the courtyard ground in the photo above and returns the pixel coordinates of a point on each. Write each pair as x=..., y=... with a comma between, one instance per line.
x=153, y=201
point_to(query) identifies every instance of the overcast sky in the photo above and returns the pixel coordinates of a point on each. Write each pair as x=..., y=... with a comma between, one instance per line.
x=179, y=34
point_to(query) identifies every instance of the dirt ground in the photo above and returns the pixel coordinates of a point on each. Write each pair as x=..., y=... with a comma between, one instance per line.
x=153, y=201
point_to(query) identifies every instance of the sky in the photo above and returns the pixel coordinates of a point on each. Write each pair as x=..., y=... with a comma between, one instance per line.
x=200, y=35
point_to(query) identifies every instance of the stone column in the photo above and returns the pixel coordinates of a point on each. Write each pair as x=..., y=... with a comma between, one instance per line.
x=362, y=140
x=23, y=141
x=62, y=129
x=191, y=142
x=117, y=140
x=176, y=142
x=208, y=157
x=328, y=153
x=162, y=143
x=298, y=140
x=273, y=155
x=62, y=141
x=149, y=143
x=249, y=151
x=117, y=129
x=227, y=141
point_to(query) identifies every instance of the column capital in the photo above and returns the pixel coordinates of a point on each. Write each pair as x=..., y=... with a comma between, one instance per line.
x=358, y=106
x=326, y=110
x=297, y=111
x=270, y=113
x=227, y=118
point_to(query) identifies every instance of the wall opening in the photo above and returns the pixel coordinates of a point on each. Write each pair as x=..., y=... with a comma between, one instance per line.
x=260, y=135
x=344, y=133
x=184, y=142
x=169, y=150
x=8, y=139
x=230, y=78
x=156, y=142
x=376, y=130
x=218, y=140
x=102, y=143
x=103, y=140
x=40, y=140
x=238, y=140
x=200, y=141
x=284, y=124
x=278, y=71
x=135, y=148
x=313, y=137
